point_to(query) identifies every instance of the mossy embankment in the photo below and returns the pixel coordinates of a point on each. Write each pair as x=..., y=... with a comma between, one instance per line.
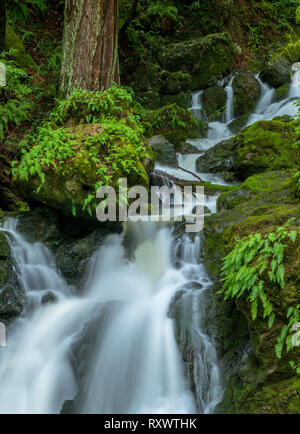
x=257, y=382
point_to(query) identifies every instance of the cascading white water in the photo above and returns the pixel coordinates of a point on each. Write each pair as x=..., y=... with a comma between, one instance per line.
x=229, y=112
x=136, y=365
x=197, y=108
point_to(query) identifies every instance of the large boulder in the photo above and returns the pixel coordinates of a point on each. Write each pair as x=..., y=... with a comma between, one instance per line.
x=277, y=72
x=91, y=140
x=257, y=382
x=67, y=186
x=174, y=123
x=214, y=102
x=246, y=93
x=164, y=151
x=203, y=58
x=265, y=145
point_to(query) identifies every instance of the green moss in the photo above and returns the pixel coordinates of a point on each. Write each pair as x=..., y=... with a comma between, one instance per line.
x=203, y=58
x=22, y=58
x=270, y=181
x=258, y=374
x=174, y=123
x=266, y=145
x=282, y=91
x=64, y=167
x=291, y=52
x=4, y=247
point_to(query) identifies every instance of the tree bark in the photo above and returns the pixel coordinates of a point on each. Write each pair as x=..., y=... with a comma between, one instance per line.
x=2, y=25
x=90, y=45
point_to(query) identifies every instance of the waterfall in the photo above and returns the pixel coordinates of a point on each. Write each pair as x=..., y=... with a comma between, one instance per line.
x=197, y=108
x=229, y=112
x=266, y=95
x=136, y=366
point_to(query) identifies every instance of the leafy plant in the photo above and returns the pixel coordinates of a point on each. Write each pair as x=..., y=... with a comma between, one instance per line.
x=15, y=107
x=19, y=10
x=254, y=260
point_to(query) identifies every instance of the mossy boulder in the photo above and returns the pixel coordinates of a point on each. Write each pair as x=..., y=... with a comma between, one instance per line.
x=265, y=145
x=246, y=93
x=238, y=124
x=255, y=184
x=254, y=374
x=202, y=58
x=147, y=81
x=277, y=72
x=282, y=91
x=12, y=40
x=175, y=82
x=182, y=99
x=164, y=151
x=90, y=150
x=214, y=102
x=174, y=123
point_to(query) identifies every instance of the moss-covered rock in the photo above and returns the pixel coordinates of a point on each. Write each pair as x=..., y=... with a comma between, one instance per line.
x=203, y=58
x=101, y=141
x=282, y=91
x=265, y=145
x=175, y=82
x=12, y=40
x=238, y=124
x=214, y=102
x=277, y=72
x=164, y=151
x=91, y=151
x=174, y=123
x=246, y=93
x=254, y=373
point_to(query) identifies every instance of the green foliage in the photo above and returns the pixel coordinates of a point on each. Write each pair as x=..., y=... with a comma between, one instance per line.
x=253, y=261
x=285, y=339
x=85, y=106
x=162, y=9
x=99, y=154
x=19, y=10
x=15, y=107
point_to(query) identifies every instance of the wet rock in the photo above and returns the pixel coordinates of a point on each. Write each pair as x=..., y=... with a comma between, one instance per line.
x=176, y=82
x=233, y=198
x=277, y=73
x=73, y=256
x=214, y=102
x=11, y=294
x=50, y=297
x=202, y=58
x=246, y=93
x=164, y=150
x=263, y=146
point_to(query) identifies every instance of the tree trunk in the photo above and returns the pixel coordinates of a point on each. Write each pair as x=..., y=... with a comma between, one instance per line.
x=2, y=25
x=90, y=45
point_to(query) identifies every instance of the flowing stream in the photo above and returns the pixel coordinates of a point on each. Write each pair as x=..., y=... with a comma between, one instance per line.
x=156, y=298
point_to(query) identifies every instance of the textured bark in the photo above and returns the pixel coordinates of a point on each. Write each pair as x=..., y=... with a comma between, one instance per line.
x=2, y=24
x=90, y=45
